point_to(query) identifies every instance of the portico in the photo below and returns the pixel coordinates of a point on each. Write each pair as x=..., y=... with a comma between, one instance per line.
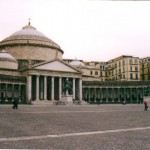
x=45, y=84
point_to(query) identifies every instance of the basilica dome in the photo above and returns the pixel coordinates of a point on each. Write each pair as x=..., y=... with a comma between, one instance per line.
x=29, y=35
x=7, y=61
x=30, y=44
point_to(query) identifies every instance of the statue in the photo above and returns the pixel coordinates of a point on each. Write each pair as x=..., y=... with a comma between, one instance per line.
x=68, y=87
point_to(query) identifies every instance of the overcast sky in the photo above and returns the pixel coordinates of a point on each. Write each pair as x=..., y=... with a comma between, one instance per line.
x=91, y=30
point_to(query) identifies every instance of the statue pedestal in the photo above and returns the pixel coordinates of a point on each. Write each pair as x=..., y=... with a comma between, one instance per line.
x=67, y=99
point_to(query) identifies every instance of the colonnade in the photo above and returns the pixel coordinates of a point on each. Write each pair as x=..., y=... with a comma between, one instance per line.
x=44, y=87
x=12, y=91
x=113, y=94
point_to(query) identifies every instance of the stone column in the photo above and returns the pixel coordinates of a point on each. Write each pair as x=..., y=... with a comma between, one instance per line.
x=6, y=99
x=52, y=88
x=74, y=88
x=66, y=90
x=95, y=95
x=89, y=95
x=45, y=87
x=106, y=95
x=19, y=96
x=37, y=87
x=80, y=89
x=13, y=92
x=29, y=88
x=60, y=87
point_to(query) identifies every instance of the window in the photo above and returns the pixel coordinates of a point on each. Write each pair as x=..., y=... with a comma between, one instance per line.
x=123, y=62
x=130, y=68
x=119, y=71
x=119, y=64
x=136, y=68
x=131, y=76
x=91, y=73
x=101, y=74
x=130, y=62
x=136, y=76
x=96, y=72
x=135, y=61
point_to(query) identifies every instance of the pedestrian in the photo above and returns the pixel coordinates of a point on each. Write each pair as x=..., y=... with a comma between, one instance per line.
x=145, y=105
x=15, y=104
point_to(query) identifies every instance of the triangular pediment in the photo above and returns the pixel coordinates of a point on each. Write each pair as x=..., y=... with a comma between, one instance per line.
x=56, y=65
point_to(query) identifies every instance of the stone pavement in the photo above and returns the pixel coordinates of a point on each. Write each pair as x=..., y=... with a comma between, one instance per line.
x=86, y=127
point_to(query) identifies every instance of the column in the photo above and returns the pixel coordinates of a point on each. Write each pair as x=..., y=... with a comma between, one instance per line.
x=13, y=92
x=107, y=95
x=6, y=99
x=37, y=87
x=74, y=88
x=80, y=89
x=60, y=87
x=65, y=85
x=29, y=89
x=89, y=100
x=45, y=87
x=52, y=88
x=95, y=95
x=19, y=94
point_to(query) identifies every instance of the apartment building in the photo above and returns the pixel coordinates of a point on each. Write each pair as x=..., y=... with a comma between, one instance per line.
x=145, y=68
x=123, y=68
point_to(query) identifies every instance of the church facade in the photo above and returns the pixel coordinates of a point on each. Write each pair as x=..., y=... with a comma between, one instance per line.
x=32, y=70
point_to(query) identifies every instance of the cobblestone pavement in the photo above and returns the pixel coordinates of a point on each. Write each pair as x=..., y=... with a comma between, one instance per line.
x=86, y=127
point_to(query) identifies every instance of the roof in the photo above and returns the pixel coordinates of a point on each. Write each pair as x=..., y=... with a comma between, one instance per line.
x=4, y=56
x=50, y=65
x=29, y=35
x=7, y=61
x=77, y=63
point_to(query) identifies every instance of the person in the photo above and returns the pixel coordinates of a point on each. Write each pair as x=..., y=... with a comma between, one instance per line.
x=146, y=105
x=15, y=104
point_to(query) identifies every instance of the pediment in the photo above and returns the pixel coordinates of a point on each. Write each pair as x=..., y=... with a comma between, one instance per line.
x=56, y=65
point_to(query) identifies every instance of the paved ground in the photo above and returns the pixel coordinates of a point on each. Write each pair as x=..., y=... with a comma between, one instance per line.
x=90, y=127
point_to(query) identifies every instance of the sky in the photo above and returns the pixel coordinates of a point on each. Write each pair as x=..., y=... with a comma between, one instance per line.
x=89, y=30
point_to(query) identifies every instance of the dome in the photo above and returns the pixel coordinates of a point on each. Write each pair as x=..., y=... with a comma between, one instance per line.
x=30, y=44
x=29, y=35
x=77, y=63
x=7, y=61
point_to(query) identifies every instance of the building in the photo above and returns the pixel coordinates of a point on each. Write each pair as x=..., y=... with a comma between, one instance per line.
x=145, y=68
x=123, y=68
x=32, y=70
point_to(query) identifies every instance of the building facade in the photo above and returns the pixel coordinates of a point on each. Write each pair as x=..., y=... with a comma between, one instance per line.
x=145, y=69
x=114, y=92
x=32, y=70
x=123, y=68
